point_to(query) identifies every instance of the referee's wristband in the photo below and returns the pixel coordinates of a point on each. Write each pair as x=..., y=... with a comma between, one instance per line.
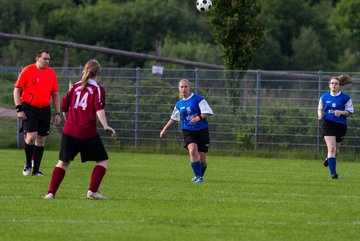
x=19, y=108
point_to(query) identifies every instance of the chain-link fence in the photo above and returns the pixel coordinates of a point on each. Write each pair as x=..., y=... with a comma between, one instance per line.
x=253, y=110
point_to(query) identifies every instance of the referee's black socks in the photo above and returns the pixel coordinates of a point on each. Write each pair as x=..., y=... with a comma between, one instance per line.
x=29, y=151
x=38, y=154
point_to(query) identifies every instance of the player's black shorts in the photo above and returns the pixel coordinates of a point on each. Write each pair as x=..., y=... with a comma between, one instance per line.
x=37, y=119
x=330, y=128
x=91, y=149
x=200, y=137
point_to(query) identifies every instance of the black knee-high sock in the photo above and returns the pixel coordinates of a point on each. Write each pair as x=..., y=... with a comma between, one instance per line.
x=38, y=153
x=29, y=150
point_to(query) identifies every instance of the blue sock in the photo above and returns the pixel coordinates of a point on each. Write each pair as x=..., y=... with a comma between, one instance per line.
x=196, y=166
x=332, y=165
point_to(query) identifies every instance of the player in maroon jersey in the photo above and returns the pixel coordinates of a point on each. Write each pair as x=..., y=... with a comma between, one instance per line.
x=82, y=104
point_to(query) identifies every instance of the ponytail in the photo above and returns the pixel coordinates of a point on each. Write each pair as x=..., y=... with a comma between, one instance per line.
x=91, y=70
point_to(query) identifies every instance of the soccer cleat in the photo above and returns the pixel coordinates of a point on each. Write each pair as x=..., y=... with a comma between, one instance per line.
x=199, y=180
x=95, y=196
x=335, y=176
x=26, y=171
x=49, y=196
x=194, y=179
x=39, y=174
x=326, y=163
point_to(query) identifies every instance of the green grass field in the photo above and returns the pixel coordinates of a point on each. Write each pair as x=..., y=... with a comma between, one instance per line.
x=151, y=198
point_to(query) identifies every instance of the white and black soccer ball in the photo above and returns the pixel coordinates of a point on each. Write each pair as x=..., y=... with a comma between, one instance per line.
x=203, y=5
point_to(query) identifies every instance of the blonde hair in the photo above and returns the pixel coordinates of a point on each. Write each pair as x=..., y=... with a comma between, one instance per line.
x=344, y=79
x=91, y=70
x=186, y=81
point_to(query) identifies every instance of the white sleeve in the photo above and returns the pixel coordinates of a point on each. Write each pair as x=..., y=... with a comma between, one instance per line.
x=175, y=114
x=349, y=107
x=205, y=108
x=321, y=105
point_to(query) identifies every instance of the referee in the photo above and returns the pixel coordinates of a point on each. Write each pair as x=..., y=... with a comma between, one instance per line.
x=35, y=87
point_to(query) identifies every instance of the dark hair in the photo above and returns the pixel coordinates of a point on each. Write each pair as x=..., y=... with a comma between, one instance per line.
x=91, y=70
x=40, y=51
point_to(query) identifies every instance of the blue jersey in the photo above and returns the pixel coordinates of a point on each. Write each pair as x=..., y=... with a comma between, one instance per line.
x=187, y=109
x=329, y=103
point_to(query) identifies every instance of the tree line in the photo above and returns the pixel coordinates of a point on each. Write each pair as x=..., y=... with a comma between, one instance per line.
x=306, y=35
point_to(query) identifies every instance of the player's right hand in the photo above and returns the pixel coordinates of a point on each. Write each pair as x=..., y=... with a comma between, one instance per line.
x=21, y=115
x=162, y=133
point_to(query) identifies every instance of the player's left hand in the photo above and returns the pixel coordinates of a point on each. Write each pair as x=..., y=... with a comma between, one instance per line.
x=337, y=113
x=57, y=120
x=111, y=130
x=194, y=120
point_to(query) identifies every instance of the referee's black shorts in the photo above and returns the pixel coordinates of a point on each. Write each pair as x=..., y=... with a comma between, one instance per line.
x=37, y=119
x=331, y=128
x=91, y=149
x=200, y=137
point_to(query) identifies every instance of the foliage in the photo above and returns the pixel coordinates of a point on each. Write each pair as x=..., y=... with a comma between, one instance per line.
x=348, y=62
x=195, y=50
x=238, y=29
x=237, y=25
x=347, y=24
x=285, y=19
x=314, y=57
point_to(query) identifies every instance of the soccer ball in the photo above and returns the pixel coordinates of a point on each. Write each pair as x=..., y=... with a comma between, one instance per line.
x=203, y=5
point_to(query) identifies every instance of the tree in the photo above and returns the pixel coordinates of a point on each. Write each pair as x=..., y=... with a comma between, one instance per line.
x=192, y=50
x=238, y=29
x=346, y=21
x=308, y=53
x=269, y=56
x=347, y=62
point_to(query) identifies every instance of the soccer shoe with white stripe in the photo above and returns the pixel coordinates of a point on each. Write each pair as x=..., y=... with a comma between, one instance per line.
x=49, y=196
x=197, y=179
x=26, y=171
x=95, y=196
x=39, y=174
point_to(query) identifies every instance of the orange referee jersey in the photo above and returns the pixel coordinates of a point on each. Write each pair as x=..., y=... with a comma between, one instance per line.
x=37, y=86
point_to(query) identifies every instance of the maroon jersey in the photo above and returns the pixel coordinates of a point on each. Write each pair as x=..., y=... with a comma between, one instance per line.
x=82, y=106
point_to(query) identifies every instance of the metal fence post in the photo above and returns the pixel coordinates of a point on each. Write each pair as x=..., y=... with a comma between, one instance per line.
x=196, y=80
x=19, y=125
x=137, y=107
x=20, y=136
x=320, y=73
x=258, y=79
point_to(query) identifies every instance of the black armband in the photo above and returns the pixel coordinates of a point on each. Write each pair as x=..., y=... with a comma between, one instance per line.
x=19, y=108
x=58, y=113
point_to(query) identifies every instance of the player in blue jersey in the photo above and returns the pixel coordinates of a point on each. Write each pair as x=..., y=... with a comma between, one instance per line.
x=193, y=110
x=333, y=109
